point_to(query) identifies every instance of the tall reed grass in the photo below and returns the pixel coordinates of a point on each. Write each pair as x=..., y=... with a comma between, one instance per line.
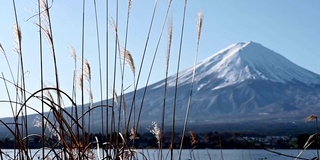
x=65, y=131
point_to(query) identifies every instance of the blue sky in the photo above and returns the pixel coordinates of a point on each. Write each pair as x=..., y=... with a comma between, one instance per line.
x=289, y=27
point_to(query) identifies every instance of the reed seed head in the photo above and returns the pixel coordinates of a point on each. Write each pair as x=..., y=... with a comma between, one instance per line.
x=128, y=58
x=45, y=12
x=73, y=53
x=129, y=6
x=169, y=41
x=79, y=79
x=17, y=38
x=155, y=131
x=115, y=97
x=87, y=70
x=199, y=26
x=113, y=26
x=311, y=117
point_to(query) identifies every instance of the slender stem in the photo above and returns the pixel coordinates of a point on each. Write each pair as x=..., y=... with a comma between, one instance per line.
x=99, y=57
x=23, y=93
x=82, y=73
x=141, y=64
x=122, y=77
x=165, y=86
x=192, y=84
x=177, y=78
x=114, y=73
x=317, y=138
x=107, y=71
x=41, y=81
x=152, y=63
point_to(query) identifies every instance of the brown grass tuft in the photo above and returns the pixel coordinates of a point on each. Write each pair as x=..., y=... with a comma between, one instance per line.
x=311, y=117
x=193, y=138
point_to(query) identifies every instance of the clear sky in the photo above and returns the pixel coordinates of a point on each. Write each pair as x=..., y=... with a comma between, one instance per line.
x=289, y=27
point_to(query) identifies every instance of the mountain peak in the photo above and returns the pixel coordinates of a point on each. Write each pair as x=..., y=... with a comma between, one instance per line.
x=251, y=61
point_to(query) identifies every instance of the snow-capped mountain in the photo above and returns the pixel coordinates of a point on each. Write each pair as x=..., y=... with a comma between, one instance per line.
x=248, y=61
x=243, y=79
x=245, y=82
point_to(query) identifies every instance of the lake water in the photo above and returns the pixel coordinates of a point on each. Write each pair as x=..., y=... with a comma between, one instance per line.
x=205, y=154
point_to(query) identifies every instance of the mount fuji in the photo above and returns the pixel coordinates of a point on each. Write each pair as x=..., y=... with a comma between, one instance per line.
x=244, y=82
x=243, y=86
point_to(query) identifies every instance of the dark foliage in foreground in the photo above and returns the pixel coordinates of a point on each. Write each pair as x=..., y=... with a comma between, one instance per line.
x=213, y=140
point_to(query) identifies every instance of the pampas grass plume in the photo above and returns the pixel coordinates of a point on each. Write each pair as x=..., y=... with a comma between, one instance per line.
x=17, y=37
x=113, y=26
x=128, y=58
x=169, y=41
x=87, y=70
x=155, y=131
x=200, y=20
x=73, y=53
x=79, y=80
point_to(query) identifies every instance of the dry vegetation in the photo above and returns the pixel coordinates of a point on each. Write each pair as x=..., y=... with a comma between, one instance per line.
x=64, y=133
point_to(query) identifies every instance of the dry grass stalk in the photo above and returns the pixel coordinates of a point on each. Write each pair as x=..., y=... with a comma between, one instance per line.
x=113, y=27
x=193, y=138
x=156, y=131
x=90, y=97
x=45, y=22
x=17, y=38
x=169, y=41
x=87, y=70
x=133, y=133
x=48, y=95
x=311, y=117
x=73, y=53
x=44, y=6
x=2, y=50
x=128, y=58
x=129, y=6
x=53, y=130
x=79, y=80
x=124, y=108
x=200, y=20
x=115, y=97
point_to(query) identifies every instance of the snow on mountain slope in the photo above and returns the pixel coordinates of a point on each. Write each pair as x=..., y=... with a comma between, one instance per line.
x=245, y=61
